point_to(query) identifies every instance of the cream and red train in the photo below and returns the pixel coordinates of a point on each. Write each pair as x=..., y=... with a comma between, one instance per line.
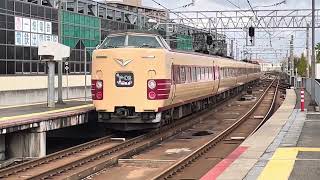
x=138, y=82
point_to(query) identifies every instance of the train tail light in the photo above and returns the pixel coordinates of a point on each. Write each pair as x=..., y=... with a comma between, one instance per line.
x=97, y=89
x=158, y=89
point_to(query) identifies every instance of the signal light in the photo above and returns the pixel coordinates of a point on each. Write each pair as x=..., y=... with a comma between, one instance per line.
x=251, y=31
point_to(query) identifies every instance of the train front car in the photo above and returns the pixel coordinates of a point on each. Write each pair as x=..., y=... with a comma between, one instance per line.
x=130, y=80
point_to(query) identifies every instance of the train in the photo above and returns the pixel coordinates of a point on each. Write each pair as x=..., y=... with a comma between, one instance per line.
x=140, y=83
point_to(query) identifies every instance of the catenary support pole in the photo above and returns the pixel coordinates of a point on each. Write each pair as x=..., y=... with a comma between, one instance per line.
x=60, y=99
x=291, y=60
x=313, y=59
x=85, y=74
x=308, y=50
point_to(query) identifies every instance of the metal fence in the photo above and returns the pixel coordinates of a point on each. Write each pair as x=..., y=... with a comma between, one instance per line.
x=307, y=83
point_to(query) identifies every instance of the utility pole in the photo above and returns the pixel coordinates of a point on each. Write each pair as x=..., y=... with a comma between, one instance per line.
x=237, y=51
x=231, y=49
x=313, y=59
x=308, y=49
x=291, y=60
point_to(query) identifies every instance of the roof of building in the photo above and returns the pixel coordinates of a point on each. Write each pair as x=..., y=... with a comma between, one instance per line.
x=140, y=6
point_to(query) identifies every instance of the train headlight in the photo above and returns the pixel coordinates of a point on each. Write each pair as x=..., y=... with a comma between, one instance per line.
x=152, y=84
x=99, y=84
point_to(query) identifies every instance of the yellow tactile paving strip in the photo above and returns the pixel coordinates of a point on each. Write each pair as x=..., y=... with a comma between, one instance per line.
x=282, y=162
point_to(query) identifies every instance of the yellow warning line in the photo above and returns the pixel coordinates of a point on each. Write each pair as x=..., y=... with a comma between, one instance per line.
x=46, y=112
x=281, y=164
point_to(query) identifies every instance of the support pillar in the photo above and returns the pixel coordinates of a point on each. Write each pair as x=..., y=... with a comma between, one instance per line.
x=2, y=147
x=51, y=102
x=26, y=144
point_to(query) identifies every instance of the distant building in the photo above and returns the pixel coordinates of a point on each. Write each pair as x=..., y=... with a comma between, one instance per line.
x=159, y=15
x=127, y=2
x=83, y=25
x=268, y=66
x=318, y=71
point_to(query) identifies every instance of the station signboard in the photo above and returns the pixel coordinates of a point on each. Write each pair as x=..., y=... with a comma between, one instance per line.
x=31, y=32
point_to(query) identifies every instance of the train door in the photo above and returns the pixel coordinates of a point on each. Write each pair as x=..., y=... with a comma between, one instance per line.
x=174, y=77
x=213, y=78
x=217, y=77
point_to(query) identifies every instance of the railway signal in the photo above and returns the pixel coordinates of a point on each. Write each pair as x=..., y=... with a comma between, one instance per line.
x=66, y=66
x=251, y=34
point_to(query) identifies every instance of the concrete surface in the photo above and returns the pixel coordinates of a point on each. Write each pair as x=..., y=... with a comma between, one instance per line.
x=23, y=128
x=12, y=111
x=247, y=166
x=16, y=90
x=286, y=147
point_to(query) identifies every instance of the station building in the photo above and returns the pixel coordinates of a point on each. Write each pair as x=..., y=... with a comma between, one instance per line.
x=79, y=24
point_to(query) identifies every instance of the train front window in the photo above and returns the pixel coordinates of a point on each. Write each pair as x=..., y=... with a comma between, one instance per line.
x=135, y=41
x=114, y=42
x=143, y=41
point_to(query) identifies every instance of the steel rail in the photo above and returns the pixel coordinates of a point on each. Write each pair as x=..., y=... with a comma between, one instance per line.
x=270, y=111
x=54, y=156
x=154, y=138
x=124, y=150
x=178, y=166
x=109, y=155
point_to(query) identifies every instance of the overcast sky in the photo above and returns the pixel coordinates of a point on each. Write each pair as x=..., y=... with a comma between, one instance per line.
x=282, y=43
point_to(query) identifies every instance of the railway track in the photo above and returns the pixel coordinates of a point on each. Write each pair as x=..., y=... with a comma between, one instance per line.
x=82, y=160
x=185, y=165
x=85, y=159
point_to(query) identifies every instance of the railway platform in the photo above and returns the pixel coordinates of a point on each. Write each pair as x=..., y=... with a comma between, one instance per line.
x=27, y=125
x=287, y=146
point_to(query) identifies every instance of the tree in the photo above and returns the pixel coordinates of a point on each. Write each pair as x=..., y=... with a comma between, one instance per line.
x=302, y=66
x=318, y=52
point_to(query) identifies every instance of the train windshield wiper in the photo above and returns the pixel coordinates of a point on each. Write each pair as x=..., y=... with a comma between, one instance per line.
x=146, y=45
x=110, y=46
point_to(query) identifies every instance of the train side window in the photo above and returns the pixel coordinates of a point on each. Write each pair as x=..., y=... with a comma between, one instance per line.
x=176, y=74
x=182, y=74
x=227, y=72
x=207, y=73
x=188, y=74
x=194, y=74
x=202, y=74
x=198, y=74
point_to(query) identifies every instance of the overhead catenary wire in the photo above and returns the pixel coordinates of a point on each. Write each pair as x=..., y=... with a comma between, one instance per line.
x=184, y=6
x=272, y=5
x=188, y=19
